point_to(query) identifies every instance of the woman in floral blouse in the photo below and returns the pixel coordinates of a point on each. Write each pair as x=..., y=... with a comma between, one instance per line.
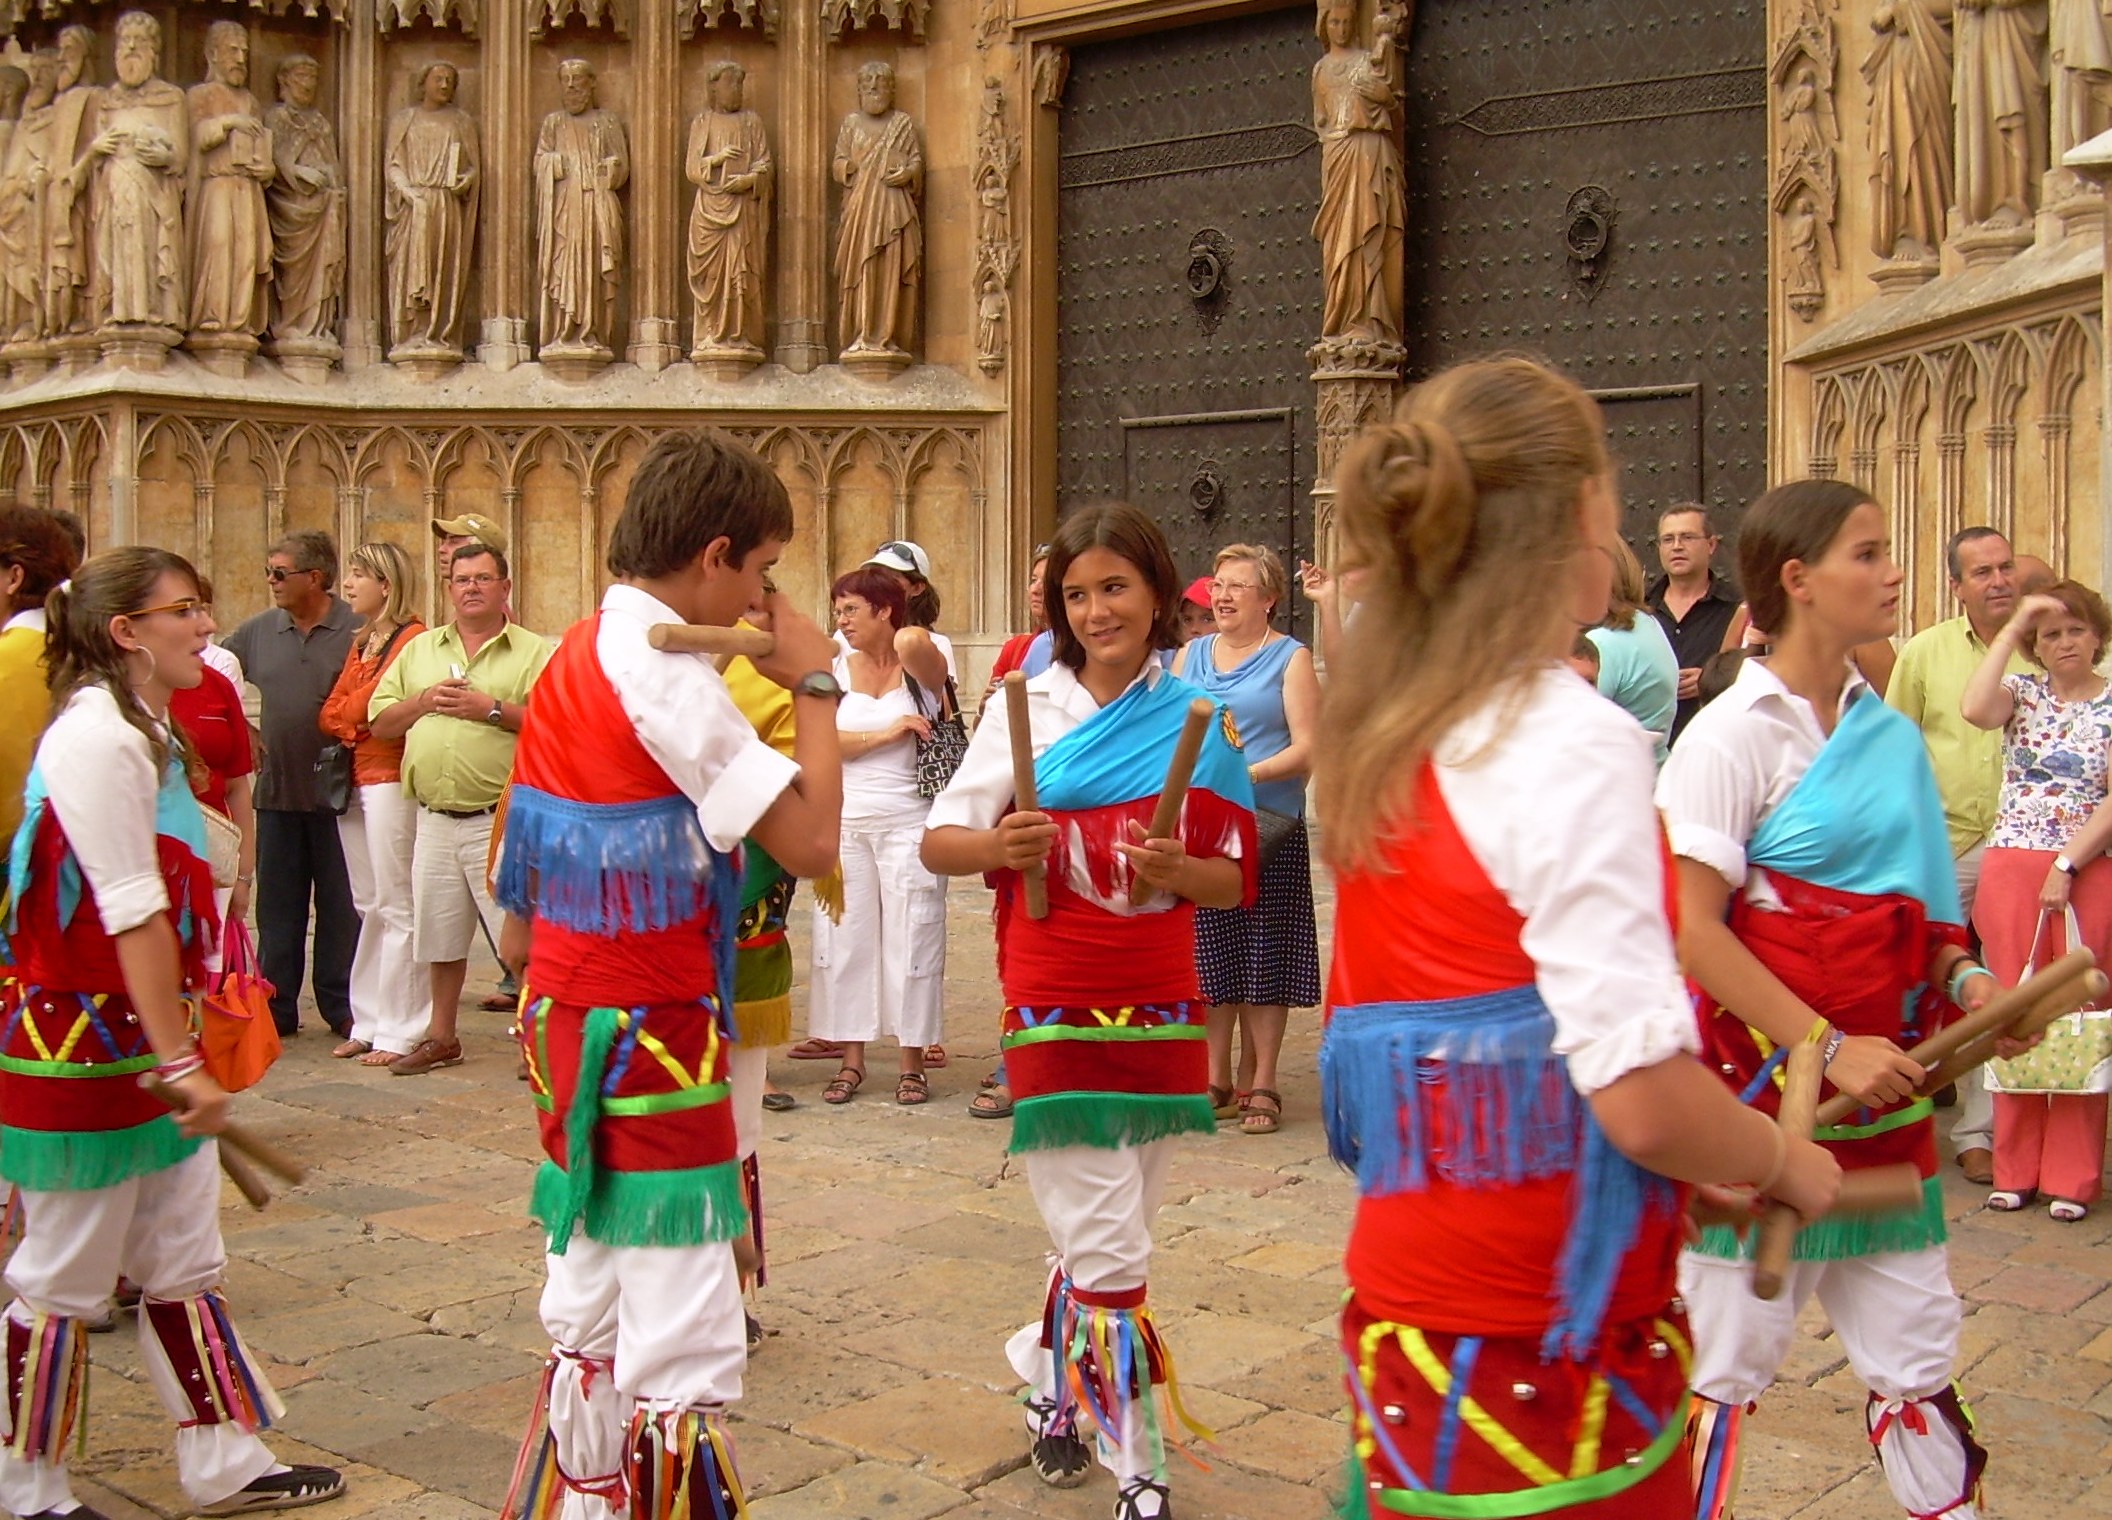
x=2047, y=853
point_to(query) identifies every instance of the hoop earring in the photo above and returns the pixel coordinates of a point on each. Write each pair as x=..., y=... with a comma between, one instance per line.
x=153, y=665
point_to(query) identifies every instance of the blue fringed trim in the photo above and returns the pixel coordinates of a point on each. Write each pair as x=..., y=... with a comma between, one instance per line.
x=725, y=890
x=606, y=868
x=1506, y=1111
x=1612, y=1197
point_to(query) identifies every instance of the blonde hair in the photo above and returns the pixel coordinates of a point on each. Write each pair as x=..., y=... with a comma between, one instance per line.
x=1461, y=515
x=1268, y=570
x=392, y=567
x=1630, y=590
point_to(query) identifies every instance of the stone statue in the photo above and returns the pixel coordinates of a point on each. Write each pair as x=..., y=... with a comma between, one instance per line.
x=1804, y=283
x=729, y=222
x=231, y=162
x=14, y=87
x=432, y=168
x=2080, y=45
x=68, y=256
x=25, y=182
x=306, y=199
x=142, y=147
x=880, y=241
x=581, y=162
x=1909, y=74
x=2001, y=93
x=1363, y=215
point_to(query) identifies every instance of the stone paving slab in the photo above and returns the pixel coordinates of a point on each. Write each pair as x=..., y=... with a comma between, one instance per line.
x=394, y=1295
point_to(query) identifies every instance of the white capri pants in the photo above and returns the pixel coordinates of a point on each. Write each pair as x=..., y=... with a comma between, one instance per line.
x=881, y=972
x=1898, y=1320
x=163, y=1232
x=449, y=894
x=392, y=991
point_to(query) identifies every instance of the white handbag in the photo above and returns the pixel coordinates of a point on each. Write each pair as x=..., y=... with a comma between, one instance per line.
x=2076, y=1054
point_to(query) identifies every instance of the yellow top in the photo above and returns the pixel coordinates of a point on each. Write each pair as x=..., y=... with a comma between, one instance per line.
x=25, y=704
x=1928, y=685
x=768, y=706
x=461, y=764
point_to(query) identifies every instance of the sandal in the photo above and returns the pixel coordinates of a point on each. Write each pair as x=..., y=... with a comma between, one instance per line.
x=912, y=1088
x=935, y=1057
x=354, y=1046
x=779, y=1102
x=815, y=1050
x=374, y=1057
x=290, y=1489
x=843, y=1086
x=1256, y=1120
x=1225, y=1103
x=993, y=1102
x=2067, y=1210
x=2008, y=1201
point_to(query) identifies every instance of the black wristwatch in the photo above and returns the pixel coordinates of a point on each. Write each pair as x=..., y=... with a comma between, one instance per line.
x=818, y=683
x=2064, y=865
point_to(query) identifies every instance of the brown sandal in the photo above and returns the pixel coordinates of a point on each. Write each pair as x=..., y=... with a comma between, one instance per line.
x=993, y=1102
x=1256, y=1120
x=935, y=1057
x=843, y=1086
x=912, y=1088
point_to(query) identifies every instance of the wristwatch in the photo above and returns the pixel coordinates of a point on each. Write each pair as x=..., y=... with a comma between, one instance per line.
x=497, y=715
x=2064, y=865
x=818, y=683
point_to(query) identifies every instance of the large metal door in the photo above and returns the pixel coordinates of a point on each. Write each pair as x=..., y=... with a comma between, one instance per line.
x=1589, y=182
x=1189, y=284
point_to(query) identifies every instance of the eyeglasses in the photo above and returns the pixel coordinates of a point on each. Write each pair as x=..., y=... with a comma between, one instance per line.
x=466, y=581
x=1676, y=540
x=277, y=573
x=1231, y=588
x=188, y=607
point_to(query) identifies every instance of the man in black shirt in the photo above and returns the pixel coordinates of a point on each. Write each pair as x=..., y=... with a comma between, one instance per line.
x=1692, y=604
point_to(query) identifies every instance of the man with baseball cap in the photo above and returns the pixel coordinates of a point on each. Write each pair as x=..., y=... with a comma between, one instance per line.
x=451, y=533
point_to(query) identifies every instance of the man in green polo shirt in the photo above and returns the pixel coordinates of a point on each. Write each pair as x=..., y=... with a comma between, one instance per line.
x=1928, y=685
x=455, y=697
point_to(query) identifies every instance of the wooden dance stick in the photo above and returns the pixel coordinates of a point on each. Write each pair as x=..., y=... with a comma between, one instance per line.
x=236, y=1143
x=1874, y=1190
x=706, y=638
x=2020, y=1012
x=1778, y=1226
x=1166, y=816
x=1036, y=876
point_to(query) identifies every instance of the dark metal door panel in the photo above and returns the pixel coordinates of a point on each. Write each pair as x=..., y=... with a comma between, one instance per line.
x=1188, y=283
x=1515, y=107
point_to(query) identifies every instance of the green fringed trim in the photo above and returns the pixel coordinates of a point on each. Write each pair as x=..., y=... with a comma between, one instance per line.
x=75, y=1161
x=699, y=1206
x=1107, y=1121
x=1841, y=1237
x=1355, y=1505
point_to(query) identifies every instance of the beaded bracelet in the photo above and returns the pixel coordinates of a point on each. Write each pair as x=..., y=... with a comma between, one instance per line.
x=1835, y=1039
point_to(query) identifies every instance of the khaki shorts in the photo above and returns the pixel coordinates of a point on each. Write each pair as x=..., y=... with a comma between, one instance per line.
x=448, y=891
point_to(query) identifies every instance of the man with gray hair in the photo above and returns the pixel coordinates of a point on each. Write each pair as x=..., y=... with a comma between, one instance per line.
x=293, y=655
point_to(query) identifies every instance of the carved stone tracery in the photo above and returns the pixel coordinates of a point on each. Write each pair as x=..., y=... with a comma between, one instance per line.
x=397, y=14
x=760, y=15
x=842, y=18
x=550, y=15
x=1807, y=188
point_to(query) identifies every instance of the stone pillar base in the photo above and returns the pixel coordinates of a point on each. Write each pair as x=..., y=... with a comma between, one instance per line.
x=308, y=360
x=1991, y=243
x=505, y=343
x=730, y=361
x=653, y=344
x=76, y=353
x=575, y=362
x=137, y=345
x=425, y=361
x=224, y=353
x=2072, y=204
x=27, y=361
x=802, y=346
x=875, y=366
x=1898, y=276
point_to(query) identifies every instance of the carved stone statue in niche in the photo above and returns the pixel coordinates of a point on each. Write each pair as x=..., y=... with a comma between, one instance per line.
x=1909, y=74
x=230, y=229
x=1362, y=221
x=142, y=147
x=68, y=255
x=306, y=199
x=14, y=88
x=432, y=167
x=2080, y=46
x=582, y=161
x=880, y=240
x=729, y=226
x=2002, y=110
x=1804, y=283
x=25, y=178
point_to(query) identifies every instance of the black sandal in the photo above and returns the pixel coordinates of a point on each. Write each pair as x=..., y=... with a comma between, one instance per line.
x=843, y=1086
x=912, y=1088
x=305, y=1484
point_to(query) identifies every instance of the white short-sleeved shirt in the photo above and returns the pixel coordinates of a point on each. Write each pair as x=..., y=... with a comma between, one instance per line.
x=686, y=719
x=99, y=775
x=939, y=641
x=1565, y=831
x=1734, y=763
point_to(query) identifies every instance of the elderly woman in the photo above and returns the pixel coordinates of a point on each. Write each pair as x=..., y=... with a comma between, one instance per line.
x=1256, y=963
x=1638, y=671
x=879, y=970
x=392, y=993
x=2045, y=856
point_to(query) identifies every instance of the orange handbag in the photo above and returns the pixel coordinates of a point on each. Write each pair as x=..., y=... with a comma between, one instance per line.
x=236, y=1034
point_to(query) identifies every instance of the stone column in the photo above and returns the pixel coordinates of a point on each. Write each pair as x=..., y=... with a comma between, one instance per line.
x=656, y=222
x=2093, y=161
x=1950, y=507
x=509, y=135
x=2001, y=440
x=1357, y=381
x=800, y=301
x=360, y=122
x=1905, y=493
x=2054, y=428
x=124, y=472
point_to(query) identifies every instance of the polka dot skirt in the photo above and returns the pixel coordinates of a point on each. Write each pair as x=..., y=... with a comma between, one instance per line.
x=1269, y=953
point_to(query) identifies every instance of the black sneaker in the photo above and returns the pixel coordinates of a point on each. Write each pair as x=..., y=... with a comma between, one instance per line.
x=290, y=1489
x=1142, y=1499
x=1059, y=1460
x=755, y=1332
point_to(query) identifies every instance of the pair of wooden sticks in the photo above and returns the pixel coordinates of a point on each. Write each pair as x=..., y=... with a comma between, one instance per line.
x=237, y=1143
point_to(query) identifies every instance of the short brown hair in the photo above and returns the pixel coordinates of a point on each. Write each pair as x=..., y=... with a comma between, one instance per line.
x=35, y=542
x=1268, y=569
x=1121, y=529
x=1792, y=522
x=881, y=589
x=311, y=550
x=2083, y=604
x=691, y=488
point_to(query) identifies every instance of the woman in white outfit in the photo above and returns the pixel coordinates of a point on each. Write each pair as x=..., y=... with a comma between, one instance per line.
x=880, y=969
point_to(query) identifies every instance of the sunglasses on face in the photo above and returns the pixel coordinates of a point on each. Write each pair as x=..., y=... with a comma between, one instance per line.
x=278, y=573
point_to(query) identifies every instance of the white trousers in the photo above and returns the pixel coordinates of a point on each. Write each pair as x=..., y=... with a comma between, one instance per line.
x=448, y=892
x=881, y=972
x=657, y=1326
x=1897, y=1318
x=163, y=1232
x=746, y=1070
x=1098, y=1206
x=1974, y=1126
x=392, y=991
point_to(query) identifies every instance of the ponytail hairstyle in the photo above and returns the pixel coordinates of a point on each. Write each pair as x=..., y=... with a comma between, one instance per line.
x=1797, y=521
x=78, y=648
x=1460, y=517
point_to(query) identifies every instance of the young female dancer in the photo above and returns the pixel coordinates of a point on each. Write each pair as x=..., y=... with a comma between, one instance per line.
x=1508, y=1063
x=1818, y=902
x=1104, y=1028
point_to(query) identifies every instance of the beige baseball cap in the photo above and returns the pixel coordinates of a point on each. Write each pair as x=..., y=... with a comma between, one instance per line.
x=471, y=525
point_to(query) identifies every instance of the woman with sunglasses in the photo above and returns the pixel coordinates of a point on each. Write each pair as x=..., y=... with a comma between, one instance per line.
x=110, y=911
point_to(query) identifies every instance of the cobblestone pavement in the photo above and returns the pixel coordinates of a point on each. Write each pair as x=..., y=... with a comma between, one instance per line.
x=393, y=1296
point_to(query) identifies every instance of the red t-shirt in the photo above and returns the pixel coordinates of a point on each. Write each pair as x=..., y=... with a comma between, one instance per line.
x=211, y=717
